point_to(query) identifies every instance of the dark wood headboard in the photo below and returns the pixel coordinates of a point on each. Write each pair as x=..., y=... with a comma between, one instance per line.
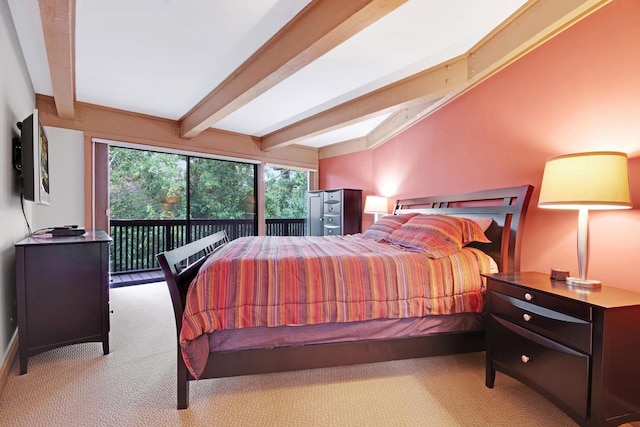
x=507, y=207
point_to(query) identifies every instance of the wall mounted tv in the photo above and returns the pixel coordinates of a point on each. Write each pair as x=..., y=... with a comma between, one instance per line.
x=32, y=161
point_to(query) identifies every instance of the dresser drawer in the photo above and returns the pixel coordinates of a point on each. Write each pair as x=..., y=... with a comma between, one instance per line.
x=331, y=219
x=332, y=207
x=330, y=230
x=566, y=329
x=333, y=196
x=556, y=371
x=555, y=303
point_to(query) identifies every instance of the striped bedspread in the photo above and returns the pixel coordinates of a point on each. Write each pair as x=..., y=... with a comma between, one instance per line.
x=278, y=281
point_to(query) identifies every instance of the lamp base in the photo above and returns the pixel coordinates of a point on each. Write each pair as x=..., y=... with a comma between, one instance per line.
x=584, y=283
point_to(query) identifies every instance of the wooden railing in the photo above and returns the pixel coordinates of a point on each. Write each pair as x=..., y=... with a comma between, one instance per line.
x=136, y=242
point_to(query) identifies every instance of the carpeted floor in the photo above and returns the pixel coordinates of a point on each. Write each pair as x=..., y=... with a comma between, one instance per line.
x=135, y=386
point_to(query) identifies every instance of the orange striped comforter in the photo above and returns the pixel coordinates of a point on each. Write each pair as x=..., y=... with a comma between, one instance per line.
x=278, y=281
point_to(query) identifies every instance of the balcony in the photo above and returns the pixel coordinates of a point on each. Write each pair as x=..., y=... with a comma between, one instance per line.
x=136, y=242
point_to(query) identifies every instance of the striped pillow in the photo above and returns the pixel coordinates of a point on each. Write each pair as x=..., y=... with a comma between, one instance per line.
x=386, y=225
x=437, y=235
x=473, y=230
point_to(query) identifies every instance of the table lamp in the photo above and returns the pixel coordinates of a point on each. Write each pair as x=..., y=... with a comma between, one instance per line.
x=376, y=205
x=585, y=181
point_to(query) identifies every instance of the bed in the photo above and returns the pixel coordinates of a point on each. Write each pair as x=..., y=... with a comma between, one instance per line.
x=217, y=338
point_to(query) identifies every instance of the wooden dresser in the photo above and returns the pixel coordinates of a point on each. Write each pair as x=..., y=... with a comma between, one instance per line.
x=62, y=286
x=334, y=212
x=580, y=349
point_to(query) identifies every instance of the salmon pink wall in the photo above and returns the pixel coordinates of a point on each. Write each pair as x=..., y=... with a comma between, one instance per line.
x=578, y=92
x=350, y=171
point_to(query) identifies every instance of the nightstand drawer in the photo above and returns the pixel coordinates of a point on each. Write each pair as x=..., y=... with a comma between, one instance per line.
x=569, y=307
x=566, y=329
x=549, y=367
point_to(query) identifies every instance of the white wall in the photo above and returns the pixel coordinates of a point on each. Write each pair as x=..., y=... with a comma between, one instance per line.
x=17, y=101
x=66, y=176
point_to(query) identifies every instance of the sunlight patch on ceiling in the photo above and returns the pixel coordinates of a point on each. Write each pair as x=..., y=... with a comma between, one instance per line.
x=346, y=133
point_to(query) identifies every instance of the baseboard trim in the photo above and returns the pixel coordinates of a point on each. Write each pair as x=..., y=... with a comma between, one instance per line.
x=8, y=360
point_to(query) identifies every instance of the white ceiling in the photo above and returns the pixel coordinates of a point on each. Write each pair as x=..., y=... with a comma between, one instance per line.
x=161, y=57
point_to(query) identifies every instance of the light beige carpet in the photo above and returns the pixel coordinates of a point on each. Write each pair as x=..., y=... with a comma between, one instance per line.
x=135, y=386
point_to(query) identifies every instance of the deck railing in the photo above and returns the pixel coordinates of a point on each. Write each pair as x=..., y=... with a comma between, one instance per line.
x=136, y=242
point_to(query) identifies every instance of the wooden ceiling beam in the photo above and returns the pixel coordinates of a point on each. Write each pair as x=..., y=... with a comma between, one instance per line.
x=317, y=29
x=342, y=148
x=422, y=87
x=58, y=25
x=396, y=123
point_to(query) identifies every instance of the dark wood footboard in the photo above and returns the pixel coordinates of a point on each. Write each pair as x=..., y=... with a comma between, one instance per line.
x=506, y=206
x=180, y=267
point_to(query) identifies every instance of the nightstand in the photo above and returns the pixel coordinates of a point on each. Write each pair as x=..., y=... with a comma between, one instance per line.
x=580, y=349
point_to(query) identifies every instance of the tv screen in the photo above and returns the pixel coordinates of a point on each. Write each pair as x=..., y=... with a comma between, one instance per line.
x=34, y=159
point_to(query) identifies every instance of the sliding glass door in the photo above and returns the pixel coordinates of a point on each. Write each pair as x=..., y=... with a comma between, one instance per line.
x=158, y=201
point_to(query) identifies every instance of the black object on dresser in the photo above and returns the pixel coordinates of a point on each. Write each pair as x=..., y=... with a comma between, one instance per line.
x=577, y=348
x=334, y=212
x=62, y=286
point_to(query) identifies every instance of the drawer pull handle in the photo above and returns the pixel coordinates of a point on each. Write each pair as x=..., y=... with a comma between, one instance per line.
x=528, y=296
x=526, y=317
x=524, y=358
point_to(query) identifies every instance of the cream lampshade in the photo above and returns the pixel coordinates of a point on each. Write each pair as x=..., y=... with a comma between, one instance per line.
x=376, y=205
x=584, y=181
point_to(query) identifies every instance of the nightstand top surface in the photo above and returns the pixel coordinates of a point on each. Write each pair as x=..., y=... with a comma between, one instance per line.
x=606, y=296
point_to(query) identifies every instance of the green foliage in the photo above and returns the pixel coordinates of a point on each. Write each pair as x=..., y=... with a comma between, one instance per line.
x=285, y=193
x=222, y=189
x=151, y=185
x=146, y=184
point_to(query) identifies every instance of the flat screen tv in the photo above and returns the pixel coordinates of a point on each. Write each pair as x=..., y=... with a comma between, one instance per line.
x=33, y=161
